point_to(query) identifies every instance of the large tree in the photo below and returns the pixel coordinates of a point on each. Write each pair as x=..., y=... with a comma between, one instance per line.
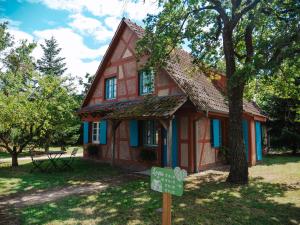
x=51, y=63
x=251, y=36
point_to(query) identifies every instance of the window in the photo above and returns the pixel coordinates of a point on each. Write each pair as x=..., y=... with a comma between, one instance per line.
x=95, y=132
x=111, y=88
x=150, y=133
x=146, y=81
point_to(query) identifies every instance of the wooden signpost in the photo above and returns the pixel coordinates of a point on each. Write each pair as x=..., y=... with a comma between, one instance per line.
x=169, y=182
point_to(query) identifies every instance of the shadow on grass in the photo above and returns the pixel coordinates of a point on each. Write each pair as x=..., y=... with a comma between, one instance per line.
x=5, y=154
x=206, y=200
x=279, y=159
x=18, y=180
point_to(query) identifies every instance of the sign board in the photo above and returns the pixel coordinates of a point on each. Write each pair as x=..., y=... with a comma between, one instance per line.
x=167, y=180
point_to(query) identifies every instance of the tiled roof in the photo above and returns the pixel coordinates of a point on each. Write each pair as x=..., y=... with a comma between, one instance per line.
x=197, y=86
x=149, y=107
x=134, y=27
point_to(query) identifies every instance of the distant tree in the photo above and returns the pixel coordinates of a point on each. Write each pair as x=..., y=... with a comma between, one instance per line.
x=86, y=85
x=278, y=96
x=51, y=63
x=250, y=36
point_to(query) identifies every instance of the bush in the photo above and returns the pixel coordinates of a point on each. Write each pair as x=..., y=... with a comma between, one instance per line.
x=92, y=150
x=148, y=155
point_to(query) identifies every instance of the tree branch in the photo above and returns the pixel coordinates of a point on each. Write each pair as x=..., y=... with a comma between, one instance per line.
x=218, y=7
x=219, y=28
x=6, y=144
x=235, y=4
x=247, y=8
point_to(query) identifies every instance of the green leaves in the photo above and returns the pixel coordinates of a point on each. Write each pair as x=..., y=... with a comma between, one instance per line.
x=35, y=108
x=51, y=63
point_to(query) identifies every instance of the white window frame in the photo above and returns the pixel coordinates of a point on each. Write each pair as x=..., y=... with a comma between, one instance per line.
x=111, y=88
x=150, y=133
x=146, y=82
x=95, y=131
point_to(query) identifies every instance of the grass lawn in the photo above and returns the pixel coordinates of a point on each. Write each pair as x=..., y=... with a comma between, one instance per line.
x=272, y=197
x=18, y=180
x=5, y=154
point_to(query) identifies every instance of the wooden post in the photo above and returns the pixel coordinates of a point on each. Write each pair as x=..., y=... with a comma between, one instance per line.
x=166, y=213
x=113, y=142
x=169, y=143
x=114, y=126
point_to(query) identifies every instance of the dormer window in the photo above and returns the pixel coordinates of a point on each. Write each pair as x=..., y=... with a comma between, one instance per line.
x=146, y=82
x=111, y=88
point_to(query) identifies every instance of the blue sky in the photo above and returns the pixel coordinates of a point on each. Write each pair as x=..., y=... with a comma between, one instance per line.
x=83, y=28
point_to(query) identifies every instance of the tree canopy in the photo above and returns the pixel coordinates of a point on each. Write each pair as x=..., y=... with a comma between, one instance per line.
x=251, y=37
x=34, y=107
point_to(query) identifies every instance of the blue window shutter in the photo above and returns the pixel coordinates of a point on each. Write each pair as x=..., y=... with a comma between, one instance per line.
x=216, y=133
x=220, y=133
x=174, y=143
x=246, y=137
x=133, y=133
x=103, y=132
x=258, y=140
x=85, y=132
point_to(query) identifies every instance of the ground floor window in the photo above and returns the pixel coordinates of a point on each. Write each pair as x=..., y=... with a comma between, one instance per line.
x=150, y=133
x=95, y=132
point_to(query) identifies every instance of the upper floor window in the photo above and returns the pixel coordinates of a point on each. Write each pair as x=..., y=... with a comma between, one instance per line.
x=146, y=82
x=150, y=133
x=95, y=132
x=111, y=88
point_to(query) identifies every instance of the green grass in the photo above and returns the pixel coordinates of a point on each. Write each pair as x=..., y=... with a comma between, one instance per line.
x=5, y=154
x=19, y=180
x=268, y=199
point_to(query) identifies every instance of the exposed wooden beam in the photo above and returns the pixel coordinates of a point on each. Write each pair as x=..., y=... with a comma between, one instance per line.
x=164, y=124
x=114, y=126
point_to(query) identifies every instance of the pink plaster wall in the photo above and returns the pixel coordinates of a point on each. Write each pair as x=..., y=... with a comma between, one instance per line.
x=123, y=65
x=205, y=154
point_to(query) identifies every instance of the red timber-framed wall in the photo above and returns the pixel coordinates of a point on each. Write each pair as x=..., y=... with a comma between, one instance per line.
x=120, y=62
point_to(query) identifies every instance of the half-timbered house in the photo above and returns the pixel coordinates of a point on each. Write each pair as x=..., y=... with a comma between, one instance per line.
x=175, y=117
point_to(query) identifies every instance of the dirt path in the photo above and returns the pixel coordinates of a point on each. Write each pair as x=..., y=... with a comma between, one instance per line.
x=57, y=193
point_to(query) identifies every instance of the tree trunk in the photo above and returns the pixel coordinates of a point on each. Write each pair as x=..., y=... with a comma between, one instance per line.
x=238, y=164
x=14, y=158
x=239, y=167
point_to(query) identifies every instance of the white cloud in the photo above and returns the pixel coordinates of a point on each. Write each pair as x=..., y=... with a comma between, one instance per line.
x=112, y=22
x=136, y=10
x=74, y=50
x=90, y=26
x=139, y=10
x=11, y=23
x=19, y=35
